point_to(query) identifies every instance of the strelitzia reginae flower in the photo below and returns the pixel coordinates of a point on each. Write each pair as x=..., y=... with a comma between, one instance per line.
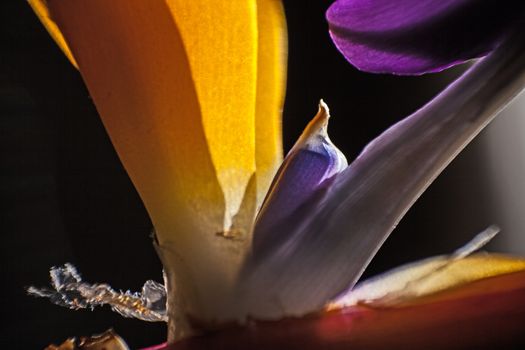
x=191, y=94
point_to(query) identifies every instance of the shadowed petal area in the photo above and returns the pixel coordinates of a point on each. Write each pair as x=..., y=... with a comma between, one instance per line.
x=419, y=36
x=220, y=39
x=486, y=314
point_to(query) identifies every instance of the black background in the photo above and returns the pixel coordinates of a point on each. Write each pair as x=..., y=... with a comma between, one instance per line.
x=65, y=196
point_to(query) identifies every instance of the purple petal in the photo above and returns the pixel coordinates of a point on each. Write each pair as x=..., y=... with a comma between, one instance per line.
x=419, y=36
x=311, y=161
x=344, y=223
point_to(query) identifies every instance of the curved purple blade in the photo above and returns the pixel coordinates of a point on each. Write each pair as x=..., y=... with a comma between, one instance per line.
x=344, y=223
x=419, y=36
x=311, y=161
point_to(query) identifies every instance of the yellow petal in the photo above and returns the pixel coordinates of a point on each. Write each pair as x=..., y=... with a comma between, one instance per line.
x=416, y=282
x=220, y=38
x=271, y=84
x=42, y=11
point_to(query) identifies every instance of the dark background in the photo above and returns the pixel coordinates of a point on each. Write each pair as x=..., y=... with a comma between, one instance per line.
x=65, y=197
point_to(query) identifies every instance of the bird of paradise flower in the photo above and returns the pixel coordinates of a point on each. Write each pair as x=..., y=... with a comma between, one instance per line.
x=191, y=95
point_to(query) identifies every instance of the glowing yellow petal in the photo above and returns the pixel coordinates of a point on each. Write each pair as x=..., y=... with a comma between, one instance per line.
x=271, y=85
x=220, y=38
x=416, y=282
x=42, y=11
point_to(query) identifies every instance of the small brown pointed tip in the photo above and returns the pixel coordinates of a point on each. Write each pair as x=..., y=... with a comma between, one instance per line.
x=323, y=109
x=109, y=340
x=317, y=126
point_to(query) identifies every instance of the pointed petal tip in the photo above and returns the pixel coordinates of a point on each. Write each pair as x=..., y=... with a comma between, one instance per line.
x=476, y=243
x=41, y=9
x=317, y=126
x=323, y=107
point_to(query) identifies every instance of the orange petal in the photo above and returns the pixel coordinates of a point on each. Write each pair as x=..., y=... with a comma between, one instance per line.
x=220, y=39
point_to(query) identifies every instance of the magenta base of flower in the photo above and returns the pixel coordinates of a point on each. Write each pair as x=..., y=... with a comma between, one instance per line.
x=486, y=314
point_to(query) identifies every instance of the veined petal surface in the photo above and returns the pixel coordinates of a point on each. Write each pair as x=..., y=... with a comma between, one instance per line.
x=419, y=36
x=220, y=39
